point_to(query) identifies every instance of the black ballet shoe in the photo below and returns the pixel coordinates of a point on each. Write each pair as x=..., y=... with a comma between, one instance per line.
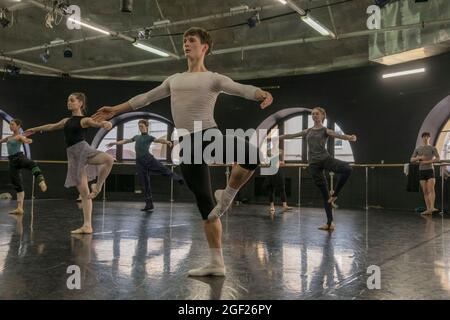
x=148, y=206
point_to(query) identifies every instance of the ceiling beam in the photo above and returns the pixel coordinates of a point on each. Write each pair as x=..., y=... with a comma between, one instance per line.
x=30, y=64
x=167, y=29
x=52, y=45
x=266, y=45
x=355, y=61
x=121, y=65
x=330, y=11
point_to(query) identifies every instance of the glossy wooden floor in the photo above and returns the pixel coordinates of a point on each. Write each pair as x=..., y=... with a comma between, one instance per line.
x=134, y=255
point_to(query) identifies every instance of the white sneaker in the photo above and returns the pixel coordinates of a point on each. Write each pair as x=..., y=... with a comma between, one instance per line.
x=210, y=270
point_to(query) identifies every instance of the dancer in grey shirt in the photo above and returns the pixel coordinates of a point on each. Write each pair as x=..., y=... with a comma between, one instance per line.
x=426, y=155
x=319, y=160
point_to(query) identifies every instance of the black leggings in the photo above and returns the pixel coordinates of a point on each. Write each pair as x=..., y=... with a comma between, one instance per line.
x=148, y=165
x=197, y=176
x=17, y=162
x=317, y=172
x=276, y=182
x=282, y=190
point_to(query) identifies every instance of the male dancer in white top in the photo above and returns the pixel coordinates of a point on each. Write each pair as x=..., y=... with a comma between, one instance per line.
x=193, y=96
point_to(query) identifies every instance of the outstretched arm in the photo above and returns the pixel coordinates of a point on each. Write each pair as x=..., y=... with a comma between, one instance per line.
x=89, y=122
x=120, y=142
x=347, y=137
x=24, y=139
x=47, y=127
x=300, y=134
x=164, y=141
x=139, y=101
x=249, y=92
x=4, y=140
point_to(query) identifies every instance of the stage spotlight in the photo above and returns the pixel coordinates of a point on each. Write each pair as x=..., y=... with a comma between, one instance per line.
x=45, y=55
x=253, y=21
x=68, y=52
x=145, y=34
x=12, y=70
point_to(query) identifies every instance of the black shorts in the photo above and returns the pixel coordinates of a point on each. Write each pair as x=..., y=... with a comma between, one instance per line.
x=426, y=174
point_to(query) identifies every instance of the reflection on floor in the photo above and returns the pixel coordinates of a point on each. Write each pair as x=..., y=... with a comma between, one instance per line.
x=135, y=255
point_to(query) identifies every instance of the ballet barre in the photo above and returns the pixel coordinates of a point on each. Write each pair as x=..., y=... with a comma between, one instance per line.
x=441, y=164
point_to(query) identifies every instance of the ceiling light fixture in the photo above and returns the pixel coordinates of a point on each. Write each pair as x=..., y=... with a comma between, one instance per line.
x=151, y=49
x=403, y=73
x=309, y=20
x=316, y=25
x=89, y=26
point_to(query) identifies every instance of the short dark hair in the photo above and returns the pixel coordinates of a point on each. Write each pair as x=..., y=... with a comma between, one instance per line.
x=17, y=121
x=426, y=134
x=144, y=122
x=203, y=34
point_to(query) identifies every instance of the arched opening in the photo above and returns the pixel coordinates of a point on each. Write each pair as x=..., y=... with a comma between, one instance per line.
x=292, y=120
x=437, y=123
x=5, y=119
x=125, y=127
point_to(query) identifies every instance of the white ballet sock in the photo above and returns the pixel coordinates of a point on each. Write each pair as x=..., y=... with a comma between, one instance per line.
x=216, y=257
x=224, y=199
x=216, y=266
x=227, y=198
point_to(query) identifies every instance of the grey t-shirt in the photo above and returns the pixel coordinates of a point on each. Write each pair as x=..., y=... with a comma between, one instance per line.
x=193, y=97
x=429, y=152
x=317, y=139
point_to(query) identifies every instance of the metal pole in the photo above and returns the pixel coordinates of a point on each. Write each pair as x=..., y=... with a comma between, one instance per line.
x=32, y=188
x=299, y=184
x=367, y=188
x=103, y=216
x=442, y=189
x=367, y=233
x=171, y=184
x=32, y=204
x=227, y=173
x=104, y=190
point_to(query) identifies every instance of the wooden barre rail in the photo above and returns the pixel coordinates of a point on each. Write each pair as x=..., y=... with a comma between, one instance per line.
x=300, y=167
x=287, y=165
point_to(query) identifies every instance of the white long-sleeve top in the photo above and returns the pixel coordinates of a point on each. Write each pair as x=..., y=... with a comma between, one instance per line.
x=193, y=96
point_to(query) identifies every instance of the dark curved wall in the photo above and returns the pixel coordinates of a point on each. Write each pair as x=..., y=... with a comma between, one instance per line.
x=385, y=114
